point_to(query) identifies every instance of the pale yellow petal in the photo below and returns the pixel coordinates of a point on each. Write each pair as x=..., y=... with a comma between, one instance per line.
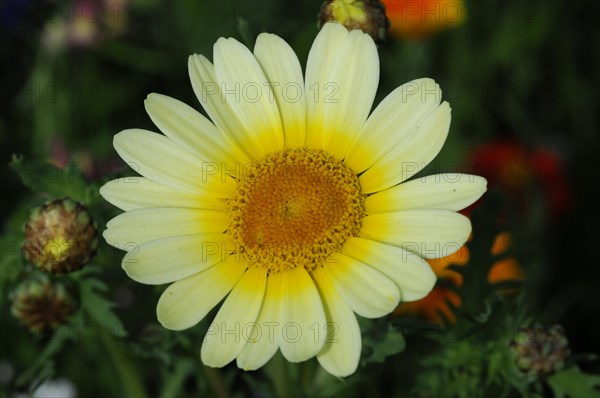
x=321, y=58
x=369, y=293
x=302, y=316
x=429, y=233
x=409, y=271
x=341, y=353
x=190, y=129
x=283, y=71
x=266, y=336
x=171, y=259
x=233, y=325
x=441, y=191
x=249, y=95
x=130, y=230
x=160, y=159
x=132, y=193
x=393, y=122
x=412, y=155
x=186, y=302
x=212, y=99
x=344, y=107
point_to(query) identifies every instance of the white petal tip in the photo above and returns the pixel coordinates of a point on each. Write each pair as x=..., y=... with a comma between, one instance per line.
x=333, y=25
x=102, y=190
x=212, y=360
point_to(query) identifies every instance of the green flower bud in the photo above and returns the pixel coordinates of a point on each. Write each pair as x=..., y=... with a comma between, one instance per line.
x=366, y=15
x=42, y=304
x=60, y=236
x=540, y=352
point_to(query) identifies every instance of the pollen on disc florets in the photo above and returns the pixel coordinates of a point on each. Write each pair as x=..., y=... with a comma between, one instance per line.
x=295, y=208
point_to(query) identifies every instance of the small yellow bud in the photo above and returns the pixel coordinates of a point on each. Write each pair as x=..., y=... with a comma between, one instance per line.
x=60, y=236
x=366, y=15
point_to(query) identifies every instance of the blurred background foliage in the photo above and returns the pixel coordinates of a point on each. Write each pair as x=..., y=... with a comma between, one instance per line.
x=522, y=79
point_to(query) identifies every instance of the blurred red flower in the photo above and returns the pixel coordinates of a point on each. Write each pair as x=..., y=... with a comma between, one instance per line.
x=515, y=169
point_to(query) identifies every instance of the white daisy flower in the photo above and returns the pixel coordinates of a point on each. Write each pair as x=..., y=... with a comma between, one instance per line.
x=291, y=202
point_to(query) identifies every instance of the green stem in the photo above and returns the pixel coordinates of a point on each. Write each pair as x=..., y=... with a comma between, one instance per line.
x=307, y=378
x=122, y=364
x=280, y=375
x=51, y=349
x=216, y=381
x=320, y=378
x=175, y=381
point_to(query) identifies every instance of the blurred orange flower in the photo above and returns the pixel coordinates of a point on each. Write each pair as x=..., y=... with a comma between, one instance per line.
x=417, y=19
x=438, y=305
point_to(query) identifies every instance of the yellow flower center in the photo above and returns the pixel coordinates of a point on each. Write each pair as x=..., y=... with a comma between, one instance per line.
x=57, y=249
x=295, y=208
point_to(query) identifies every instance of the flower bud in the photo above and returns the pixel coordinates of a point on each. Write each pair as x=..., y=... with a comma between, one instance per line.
x=540, y=352
x=42, y=304
x=60, y=236
x=367, y=15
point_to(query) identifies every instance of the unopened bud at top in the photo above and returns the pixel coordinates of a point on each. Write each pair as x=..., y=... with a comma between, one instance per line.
x=366, y=15
x=60, y=236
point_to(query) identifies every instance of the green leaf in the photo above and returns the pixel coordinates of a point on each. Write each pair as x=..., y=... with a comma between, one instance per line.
x=174, y=383
x=123, y=366
x=496, y=363
x=46, y=178
x=99, y=308
x=10, y=265
x=380, y=341
x=572, y=382
x=245, y=32
x=157, y=344
x=39, y=367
